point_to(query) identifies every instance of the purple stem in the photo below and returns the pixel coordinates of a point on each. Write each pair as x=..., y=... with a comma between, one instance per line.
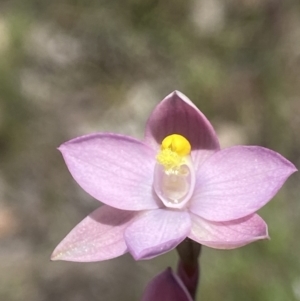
x=188, y=266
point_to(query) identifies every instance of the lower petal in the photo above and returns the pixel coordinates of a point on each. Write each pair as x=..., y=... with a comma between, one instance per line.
x=98, y=237
x=228, y=235
x=156, y=232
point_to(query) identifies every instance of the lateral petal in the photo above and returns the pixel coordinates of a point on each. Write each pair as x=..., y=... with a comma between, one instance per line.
x=228, y=235
x=115, y=169
x=98, y=237
x=237, y=181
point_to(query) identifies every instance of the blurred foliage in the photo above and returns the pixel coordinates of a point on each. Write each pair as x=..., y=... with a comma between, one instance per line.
x=71, y=67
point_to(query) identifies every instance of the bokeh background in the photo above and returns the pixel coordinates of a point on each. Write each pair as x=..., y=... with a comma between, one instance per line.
x=72, y=67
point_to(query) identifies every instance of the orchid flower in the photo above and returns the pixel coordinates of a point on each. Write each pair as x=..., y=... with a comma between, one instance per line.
x=174, y=184
x=166, y=286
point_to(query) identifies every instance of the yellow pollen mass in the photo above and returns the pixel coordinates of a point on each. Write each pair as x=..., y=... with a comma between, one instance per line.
x=173, y=150
x=177, y=144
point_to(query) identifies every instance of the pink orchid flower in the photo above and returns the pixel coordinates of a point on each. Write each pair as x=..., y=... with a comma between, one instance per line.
x=174, y=184
x=166, y=286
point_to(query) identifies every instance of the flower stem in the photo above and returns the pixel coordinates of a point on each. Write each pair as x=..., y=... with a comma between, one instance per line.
x=188, y=267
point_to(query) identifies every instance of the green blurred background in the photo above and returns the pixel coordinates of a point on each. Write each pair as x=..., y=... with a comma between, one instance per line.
x=71, y=67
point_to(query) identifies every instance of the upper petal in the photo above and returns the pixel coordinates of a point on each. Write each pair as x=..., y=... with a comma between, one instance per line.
x=176, y=114
x=166, y=286
x=116, y=170
x=228, y=235
x=237, y=181
x=156, y=232
x=98, y=237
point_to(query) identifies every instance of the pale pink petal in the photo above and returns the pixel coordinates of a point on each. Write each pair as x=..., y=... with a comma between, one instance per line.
x=166, y=287
x=228, y=235
x=237, y=181
x=176, y=114
x=156, y=232
x=114, y=169
x=98, y=237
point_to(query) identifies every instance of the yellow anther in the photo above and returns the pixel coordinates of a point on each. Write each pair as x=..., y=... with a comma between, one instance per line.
x=169, y=159
x=174, y=148
x=177, y=144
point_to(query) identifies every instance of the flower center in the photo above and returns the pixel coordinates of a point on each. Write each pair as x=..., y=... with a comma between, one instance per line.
x=173, y=150
x=174, y=176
